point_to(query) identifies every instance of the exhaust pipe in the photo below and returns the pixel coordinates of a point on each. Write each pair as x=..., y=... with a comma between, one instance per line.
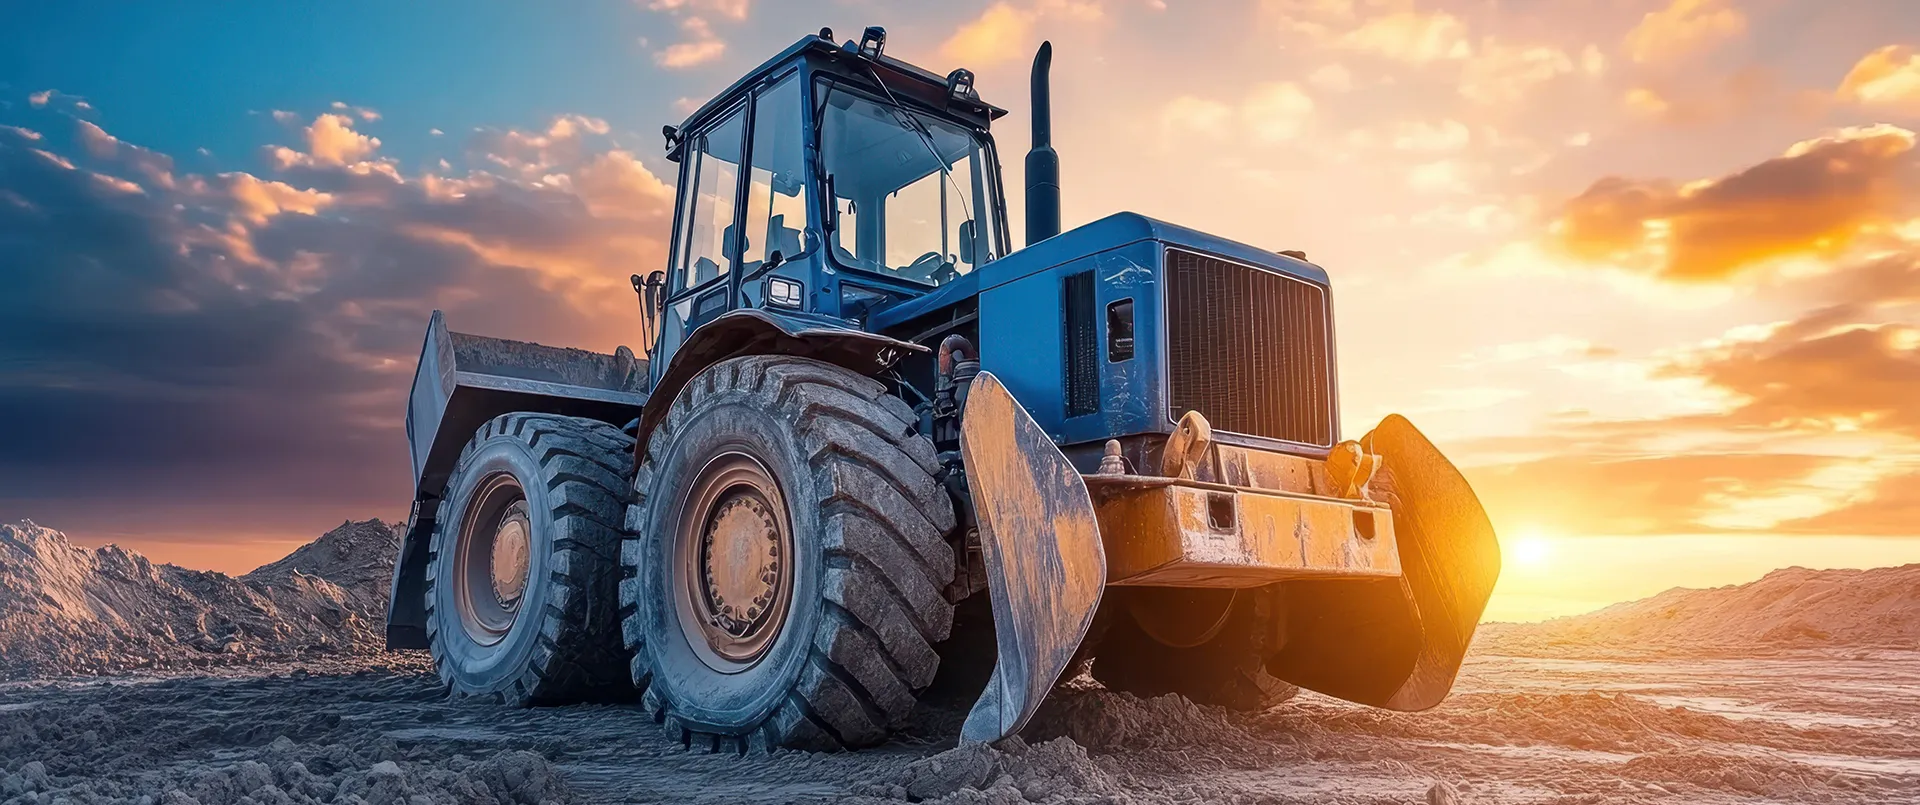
x=1043, y=165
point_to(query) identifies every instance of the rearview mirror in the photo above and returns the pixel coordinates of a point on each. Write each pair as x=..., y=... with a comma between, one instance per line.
x=966, y=241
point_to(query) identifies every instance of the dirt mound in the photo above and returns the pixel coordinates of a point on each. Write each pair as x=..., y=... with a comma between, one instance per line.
x=1791, y=608
x=69, y=610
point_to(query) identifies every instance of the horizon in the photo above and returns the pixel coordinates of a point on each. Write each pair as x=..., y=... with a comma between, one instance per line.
x=241, y=568
x=1648, y=272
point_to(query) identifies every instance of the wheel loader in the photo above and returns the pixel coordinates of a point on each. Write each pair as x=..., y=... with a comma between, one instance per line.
x=868, y=438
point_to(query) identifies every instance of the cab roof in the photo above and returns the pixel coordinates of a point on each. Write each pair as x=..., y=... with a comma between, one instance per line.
x=907, y=80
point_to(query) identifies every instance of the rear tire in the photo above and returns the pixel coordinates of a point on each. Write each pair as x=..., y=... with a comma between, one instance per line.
x=521, y=572
x=1226, y=669
x=786, y=554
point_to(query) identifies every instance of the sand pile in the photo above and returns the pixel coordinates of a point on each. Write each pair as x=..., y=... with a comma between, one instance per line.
x=1792, y=608
x=69, y=610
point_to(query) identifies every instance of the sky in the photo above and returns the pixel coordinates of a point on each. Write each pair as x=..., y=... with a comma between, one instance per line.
x=1647, y=270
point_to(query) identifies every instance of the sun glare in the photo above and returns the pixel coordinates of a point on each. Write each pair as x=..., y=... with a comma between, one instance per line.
x=1530, y=549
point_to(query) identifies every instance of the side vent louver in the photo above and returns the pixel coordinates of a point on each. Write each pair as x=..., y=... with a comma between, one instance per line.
x=1082, y=367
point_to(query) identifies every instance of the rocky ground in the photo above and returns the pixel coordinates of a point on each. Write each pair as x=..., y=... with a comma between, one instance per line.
x=1540, y=715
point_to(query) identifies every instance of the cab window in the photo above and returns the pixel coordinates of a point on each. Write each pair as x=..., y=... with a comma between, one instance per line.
x=713, y=177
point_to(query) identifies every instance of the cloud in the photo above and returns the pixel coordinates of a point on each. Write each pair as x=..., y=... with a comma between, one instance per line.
x=39, y=99
x=1005, y=30
x=1831, y=370
x=1270, y=113
x=331, y=140
x=1311, y=18
x=1887, y=78
x=1331, y=78
x=257, y=201
x=233, y=342
x=1190, y=116
x=731, y=9
x=1277, y=111
x=531, y=155
x=1503, y=73
x=1411, y=36
x=700, y=47
x=1635, y=495
x=361, y=112
x=1890, y=507
x=1818, y=198
x=1682, y=28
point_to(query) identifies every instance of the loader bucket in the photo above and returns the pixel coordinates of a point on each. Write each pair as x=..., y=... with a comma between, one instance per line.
x=1045, y=562
x=1397, y=643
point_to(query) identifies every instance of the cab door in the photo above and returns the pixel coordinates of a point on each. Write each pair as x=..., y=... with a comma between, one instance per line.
x=706, y=249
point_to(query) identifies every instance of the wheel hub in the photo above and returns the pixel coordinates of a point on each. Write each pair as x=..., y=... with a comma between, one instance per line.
x=509, y=565
x=735, y=561
x=741, y=553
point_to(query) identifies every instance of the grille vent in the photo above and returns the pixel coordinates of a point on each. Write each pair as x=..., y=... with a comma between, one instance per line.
x=1248, y=349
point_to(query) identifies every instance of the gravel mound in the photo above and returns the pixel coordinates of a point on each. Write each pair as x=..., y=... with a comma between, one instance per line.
x=66, y=610
x=1789, y=609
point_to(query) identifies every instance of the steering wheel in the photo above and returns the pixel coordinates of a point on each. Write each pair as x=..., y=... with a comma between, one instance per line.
x=922, y=267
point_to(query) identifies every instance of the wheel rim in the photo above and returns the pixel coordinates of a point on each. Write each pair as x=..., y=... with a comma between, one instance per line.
x=733, y=555
x=491, y=562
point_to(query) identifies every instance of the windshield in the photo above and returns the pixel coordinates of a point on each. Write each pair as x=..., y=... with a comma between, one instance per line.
x=915, y=204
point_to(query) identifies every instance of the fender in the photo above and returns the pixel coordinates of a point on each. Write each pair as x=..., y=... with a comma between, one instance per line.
x=751, y=331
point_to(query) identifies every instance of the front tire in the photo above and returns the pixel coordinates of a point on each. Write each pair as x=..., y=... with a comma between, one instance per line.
x=521, y=573
x=786, y=554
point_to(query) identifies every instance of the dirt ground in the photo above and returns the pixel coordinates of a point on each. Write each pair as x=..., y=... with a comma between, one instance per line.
x=1791, y=728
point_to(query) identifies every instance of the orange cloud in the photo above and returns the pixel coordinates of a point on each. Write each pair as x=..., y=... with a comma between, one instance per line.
x=1600, y=495
x=258, y=201
x=1817, y=199
x=700, y=47
x=1005, y=31
x=1825, y=372
x=1890, y=507
x=1411, y=36
x=331, y=140
x=1683, y=27
x=615, y=185
x=1888, y=78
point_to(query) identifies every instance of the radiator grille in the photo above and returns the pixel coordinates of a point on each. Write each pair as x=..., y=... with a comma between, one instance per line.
x=1083, y=368
x=1248, y=349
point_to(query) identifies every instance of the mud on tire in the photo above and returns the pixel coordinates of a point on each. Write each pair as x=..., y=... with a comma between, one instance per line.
x=1226, y=670
x=561, y=642
x=867, y=523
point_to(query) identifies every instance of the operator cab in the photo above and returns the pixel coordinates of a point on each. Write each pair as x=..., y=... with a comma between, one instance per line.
x=829, y=183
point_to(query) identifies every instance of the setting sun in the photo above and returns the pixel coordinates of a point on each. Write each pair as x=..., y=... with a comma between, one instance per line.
x=1529, y=549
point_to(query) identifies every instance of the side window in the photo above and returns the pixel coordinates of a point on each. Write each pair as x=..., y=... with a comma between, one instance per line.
x=714, y=179
x=777, y=186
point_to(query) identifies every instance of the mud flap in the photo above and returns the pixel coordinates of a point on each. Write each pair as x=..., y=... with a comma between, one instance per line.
x=1046, y=566
x=1398, y=643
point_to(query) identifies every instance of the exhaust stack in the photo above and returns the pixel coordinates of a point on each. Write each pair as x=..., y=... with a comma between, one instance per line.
x=1043, y=165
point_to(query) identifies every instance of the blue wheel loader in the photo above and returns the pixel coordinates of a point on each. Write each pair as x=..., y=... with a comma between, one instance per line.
x=869, y=442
